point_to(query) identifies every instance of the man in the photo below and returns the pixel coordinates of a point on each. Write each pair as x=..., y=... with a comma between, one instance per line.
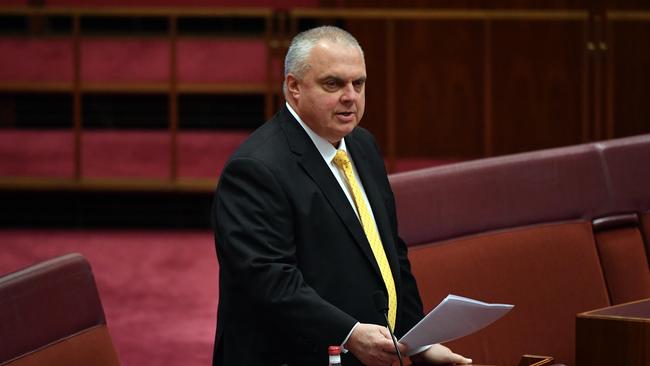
x=307, y=240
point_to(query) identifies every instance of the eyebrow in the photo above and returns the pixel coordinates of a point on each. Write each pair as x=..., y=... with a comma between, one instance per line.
x=338, y=79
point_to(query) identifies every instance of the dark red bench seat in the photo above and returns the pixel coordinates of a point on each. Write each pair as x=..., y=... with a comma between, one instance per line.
x=555, y=232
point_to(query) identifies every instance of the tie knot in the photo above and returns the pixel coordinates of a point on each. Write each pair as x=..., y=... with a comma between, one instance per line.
x=341, y=159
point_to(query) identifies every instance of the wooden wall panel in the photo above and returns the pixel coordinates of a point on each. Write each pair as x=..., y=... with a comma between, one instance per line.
x=463, y=83
x=439, y=88
x=409, y=4
x=629, y=77
x=625, y=4
x=463, y=4
x=538, y=70
x=538, y=4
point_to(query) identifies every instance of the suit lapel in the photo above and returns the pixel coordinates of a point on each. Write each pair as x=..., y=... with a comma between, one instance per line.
x=314, y=165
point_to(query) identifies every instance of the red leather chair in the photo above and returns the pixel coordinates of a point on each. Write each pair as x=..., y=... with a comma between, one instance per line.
x=51, y=314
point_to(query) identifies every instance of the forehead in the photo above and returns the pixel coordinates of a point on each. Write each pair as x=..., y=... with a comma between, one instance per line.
x=338, y=59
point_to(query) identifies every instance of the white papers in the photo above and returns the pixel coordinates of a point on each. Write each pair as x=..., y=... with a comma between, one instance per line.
x=454, y=317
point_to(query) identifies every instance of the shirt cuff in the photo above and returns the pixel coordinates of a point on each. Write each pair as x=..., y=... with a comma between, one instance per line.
x=343, y=349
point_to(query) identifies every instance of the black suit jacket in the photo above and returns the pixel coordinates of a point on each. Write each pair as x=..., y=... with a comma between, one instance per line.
x=296, y=269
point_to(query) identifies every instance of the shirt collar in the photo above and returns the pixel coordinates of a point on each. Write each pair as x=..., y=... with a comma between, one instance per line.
x=326, y=149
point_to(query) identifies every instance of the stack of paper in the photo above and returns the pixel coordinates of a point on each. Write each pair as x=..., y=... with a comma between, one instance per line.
x=454, y=317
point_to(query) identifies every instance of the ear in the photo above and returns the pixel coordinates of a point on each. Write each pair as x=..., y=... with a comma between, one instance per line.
x=293, y=86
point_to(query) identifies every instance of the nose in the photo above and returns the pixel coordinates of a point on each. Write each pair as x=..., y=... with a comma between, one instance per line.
x=348, y=93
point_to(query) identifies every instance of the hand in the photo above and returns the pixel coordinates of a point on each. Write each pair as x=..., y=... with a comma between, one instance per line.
x=372, y=345
x=439, y=354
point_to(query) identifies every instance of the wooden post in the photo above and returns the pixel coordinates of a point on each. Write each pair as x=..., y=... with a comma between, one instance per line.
x=173, y=98
x=390, y=95
x=76, y=95
x=586, y=128
x=270, y=73
x=488, y=127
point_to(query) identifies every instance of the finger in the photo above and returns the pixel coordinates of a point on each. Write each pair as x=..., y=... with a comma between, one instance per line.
x=456, y=358
x=388, y=358
x=402, y=348
x=389, y=346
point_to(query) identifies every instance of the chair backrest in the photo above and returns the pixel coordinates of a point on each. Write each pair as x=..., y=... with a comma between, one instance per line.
x=51, y=314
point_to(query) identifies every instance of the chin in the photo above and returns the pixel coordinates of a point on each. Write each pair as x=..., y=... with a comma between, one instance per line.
x=346, y=132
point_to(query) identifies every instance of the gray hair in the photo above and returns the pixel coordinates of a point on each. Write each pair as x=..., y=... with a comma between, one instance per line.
x=296, y=60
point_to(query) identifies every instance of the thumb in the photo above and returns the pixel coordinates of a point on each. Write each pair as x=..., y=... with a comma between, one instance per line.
x=456, y=358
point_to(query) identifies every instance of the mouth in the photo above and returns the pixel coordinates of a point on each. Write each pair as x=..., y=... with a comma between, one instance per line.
x=345, y=114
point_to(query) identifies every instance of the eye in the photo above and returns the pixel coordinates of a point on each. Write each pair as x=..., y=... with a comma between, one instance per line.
x=330, y=84
x=358, y=84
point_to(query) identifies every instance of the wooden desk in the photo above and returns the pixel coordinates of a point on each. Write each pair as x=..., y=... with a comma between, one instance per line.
x=616, y=335
x=534, y=360
x=526, y=360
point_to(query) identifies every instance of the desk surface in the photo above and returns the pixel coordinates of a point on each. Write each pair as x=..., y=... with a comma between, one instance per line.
x=636, y=310
x=616, y=335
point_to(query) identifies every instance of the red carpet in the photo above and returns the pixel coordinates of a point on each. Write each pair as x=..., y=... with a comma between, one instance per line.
x=158, y=288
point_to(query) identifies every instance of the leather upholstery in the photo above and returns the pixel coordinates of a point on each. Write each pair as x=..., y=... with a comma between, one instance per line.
x=625, y=265
x=502, y=192
x=518, y=229
x=532, y=267
x=45, y=307
x=84, y=348
x=645, y=229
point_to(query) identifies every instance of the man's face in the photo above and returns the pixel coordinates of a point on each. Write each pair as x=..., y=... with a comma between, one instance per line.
x=330, y=97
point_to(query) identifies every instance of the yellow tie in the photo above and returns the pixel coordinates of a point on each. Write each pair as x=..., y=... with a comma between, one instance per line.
x=342, y=161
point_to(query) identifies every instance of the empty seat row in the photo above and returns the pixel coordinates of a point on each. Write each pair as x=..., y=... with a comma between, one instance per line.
x=135, y=60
